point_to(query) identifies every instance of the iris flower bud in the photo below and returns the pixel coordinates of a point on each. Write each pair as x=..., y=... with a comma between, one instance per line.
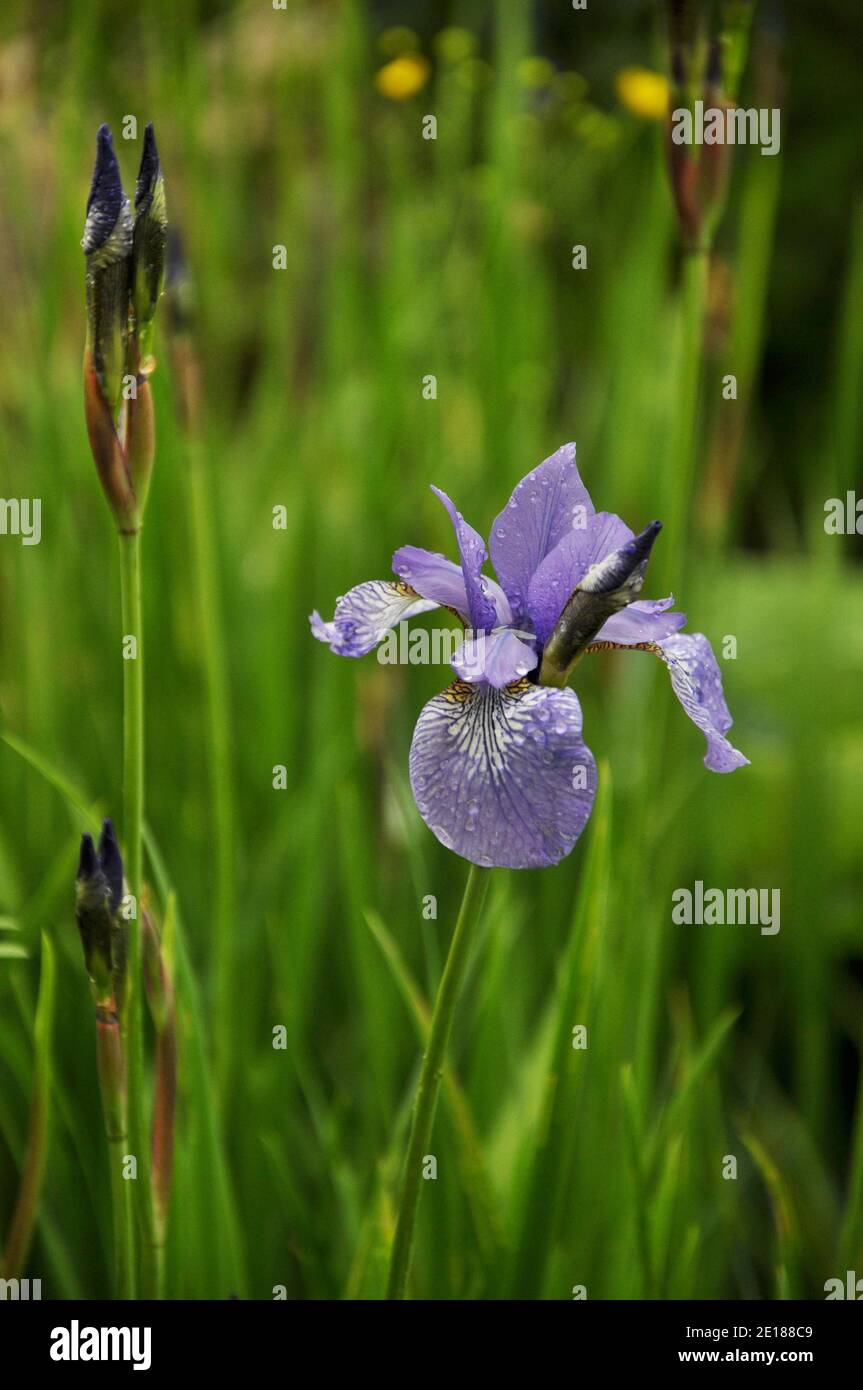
x=149, y=242
x=107, y=244
x=125, y=270
x=98, y=899
x=608, y=586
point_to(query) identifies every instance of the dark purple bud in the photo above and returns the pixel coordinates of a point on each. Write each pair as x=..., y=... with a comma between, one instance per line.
x=112, y=864
x=149, y=242
x=106, y=194
x=98, y=895
x=149, y=170
x=107, y=244
x=624, y=567
x=88, y=864
x=609, y=585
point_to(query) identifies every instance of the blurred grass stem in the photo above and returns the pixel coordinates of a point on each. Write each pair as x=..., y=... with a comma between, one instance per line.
x=681, y=472
x=430, y=1076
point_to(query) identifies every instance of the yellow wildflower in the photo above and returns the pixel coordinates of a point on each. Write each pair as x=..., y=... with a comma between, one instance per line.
x=403, y=77
x=643, y=92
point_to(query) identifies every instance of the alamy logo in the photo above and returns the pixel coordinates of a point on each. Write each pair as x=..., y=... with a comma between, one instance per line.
x=850, y=1287
x=700, y=906
x=467, y=651
x=20, y=1290
x=726, y=125
x=76, y=1343
x=844, y=515
x=21, y=516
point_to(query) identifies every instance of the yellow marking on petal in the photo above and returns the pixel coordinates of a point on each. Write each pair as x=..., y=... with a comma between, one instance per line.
x=404, y=589
x=519, y=687
x=622, y=647
x=644, y=93
x=459, y=692
x=403, y=77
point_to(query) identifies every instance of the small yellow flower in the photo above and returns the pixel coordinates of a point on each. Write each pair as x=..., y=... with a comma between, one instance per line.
x=643, y=92
x=403, y=77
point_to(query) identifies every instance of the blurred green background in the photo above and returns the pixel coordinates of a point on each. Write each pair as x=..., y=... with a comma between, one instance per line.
x=303, y=907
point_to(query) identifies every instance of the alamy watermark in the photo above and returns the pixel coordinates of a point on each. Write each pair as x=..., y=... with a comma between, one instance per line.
x=727, y=125
x=21, y=516
x=407, y=646
x=843, y=516
x=20, y=1290
x=77, y=1343
x=700, y=906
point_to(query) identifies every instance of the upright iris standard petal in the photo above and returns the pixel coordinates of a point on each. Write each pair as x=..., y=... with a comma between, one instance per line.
x=502, y=777
x=646, y=620
x=545, y=506
x=566, y=565
x=471, y=549
x=364, y=616
x=499, y=657
x=696, y=682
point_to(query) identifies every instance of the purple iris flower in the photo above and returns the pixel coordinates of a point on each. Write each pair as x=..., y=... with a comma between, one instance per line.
x=498, y=767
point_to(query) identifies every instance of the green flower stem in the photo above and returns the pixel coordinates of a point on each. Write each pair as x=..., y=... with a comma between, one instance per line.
x=430, y=1076
x=682, y=454
x=111, y=1065
x=133, y=826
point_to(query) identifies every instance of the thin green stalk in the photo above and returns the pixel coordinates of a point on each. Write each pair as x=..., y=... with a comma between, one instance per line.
x=33, y=1168
x=430, y=1076
x=682, y=453
x=133, y=822
x=111, y=1064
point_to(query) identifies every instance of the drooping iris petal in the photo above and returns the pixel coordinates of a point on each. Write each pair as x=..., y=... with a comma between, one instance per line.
x=435, y=577
x=499, y=657
x=502, y=777
x=554, y=581
x=696, y=682
x=365, y=615
x=471, y=549
x=646, y=620
x=545, y=506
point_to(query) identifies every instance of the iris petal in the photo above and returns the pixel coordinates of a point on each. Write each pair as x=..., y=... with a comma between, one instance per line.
x=502, y=777
x=499, y=657
x=566, y=565
x=544, y=508
x=697, y=683
x=365, y=615
x=436, y=577
x=646, y=620
x=433, y=576
x=471, y=548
